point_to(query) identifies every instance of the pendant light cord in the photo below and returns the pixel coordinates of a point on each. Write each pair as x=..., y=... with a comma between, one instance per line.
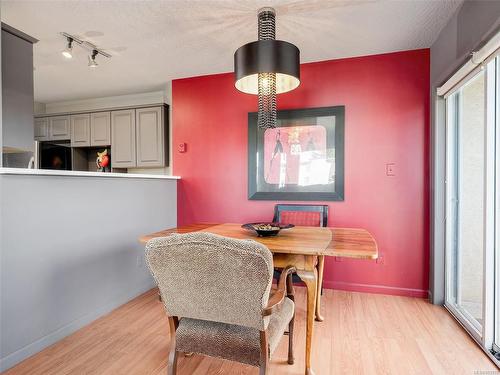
x=267, y=117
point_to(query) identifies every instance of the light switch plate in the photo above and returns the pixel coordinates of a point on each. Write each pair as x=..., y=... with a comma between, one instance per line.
x=390, y=169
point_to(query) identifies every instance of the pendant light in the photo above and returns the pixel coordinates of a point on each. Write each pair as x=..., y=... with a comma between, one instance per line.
x=267, y=67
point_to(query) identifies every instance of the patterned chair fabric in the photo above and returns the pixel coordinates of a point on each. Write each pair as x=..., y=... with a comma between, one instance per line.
x=210, y=277
x=232, y=342
x=218, y=288
x=303, y=218
x=309, y=215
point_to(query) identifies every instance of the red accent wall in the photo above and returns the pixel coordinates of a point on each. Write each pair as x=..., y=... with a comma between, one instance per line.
x=386, y=98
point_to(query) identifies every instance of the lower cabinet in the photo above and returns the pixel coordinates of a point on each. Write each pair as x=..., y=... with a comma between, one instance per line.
x=123, y=153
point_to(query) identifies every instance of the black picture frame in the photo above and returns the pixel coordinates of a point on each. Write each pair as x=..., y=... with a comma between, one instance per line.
x=258, y=189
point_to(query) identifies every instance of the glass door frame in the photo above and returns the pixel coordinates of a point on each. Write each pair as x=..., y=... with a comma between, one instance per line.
x=490, y=237
x=496, y=315
x=484, y=334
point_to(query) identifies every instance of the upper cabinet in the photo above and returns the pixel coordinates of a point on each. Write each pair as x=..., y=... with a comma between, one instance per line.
x=138, y=136
x=100, y=129
x=59, y=128
x=42, y=129
x=150, y=137
x=123, y=139
x=91, y=129
x=80, y=130
x=53, y=128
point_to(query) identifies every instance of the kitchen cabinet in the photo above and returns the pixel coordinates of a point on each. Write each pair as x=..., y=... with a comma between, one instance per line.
x=150, y=137
x=42, y=129
x=80, y=130
x=100, y=129
x=123, y=142
x=59, y=128
x=91, y=129
x=137, y=137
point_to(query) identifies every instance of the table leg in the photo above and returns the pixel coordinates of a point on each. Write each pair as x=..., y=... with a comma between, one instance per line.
x=321, y=266
x=310, y=278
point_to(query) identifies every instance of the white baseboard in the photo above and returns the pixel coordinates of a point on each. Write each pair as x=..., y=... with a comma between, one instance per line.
x=40, y=344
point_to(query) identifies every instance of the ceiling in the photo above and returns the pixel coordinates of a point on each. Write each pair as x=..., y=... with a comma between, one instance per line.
x=153, y=42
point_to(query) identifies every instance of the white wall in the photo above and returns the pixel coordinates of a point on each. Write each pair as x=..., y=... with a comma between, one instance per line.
x=69, y=252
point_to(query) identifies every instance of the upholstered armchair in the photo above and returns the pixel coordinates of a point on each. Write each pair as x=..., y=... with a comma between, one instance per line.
x=218, y=297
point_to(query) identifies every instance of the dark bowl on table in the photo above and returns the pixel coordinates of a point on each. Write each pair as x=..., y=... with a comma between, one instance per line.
x=266, y=229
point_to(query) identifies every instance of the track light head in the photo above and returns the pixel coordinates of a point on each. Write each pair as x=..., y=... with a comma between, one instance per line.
x=92, y=62
x=68, y=51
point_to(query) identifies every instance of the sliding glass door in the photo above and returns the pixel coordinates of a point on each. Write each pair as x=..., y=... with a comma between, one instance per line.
x=472, y=219
x=465, y=109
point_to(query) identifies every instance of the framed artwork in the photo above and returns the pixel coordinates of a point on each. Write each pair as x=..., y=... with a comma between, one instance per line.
x=302, y=159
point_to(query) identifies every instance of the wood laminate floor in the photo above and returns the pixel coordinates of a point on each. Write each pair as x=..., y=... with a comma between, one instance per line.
x=362, y=334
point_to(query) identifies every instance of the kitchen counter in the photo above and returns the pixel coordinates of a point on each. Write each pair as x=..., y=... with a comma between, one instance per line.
x=50, y=172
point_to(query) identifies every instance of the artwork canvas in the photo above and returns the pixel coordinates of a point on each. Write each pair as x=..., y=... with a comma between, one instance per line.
x=301, y=159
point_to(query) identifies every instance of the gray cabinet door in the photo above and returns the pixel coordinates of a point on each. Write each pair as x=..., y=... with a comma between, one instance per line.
x=123, y=139
x=100, y=129
x=59, y=128
x=80, y=130
x=150, y=137
x=42, y=129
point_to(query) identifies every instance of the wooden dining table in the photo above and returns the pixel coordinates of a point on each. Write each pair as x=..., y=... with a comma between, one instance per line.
x=305, y=248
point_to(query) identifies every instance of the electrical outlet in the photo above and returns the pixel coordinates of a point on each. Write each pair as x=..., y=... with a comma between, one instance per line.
x=390, y=169
x=140, y=261
x=381, y=259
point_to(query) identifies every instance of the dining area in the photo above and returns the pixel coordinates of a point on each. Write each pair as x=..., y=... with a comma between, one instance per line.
x=247, y=187
x=297, y=247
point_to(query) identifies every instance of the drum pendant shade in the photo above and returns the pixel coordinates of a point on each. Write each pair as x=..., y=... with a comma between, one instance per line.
x=267, y=67
x=267, y=56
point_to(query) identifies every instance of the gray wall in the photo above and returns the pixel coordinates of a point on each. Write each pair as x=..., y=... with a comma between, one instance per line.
x=466, y=31
x=69, y=252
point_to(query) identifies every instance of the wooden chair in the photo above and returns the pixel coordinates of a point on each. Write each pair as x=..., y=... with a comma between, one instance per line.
x=301, y=214
x=304, y=215
x=217, y=294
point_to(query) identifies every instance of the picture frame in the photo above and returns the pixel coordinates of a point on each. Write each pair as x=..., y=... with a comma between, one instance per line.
x=302, y=159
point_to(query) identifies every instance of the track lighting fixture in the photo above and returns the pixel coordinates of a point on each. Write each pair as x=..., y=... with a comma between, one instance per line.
x=92, y=48
x=92, y=62
x=68, y=51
